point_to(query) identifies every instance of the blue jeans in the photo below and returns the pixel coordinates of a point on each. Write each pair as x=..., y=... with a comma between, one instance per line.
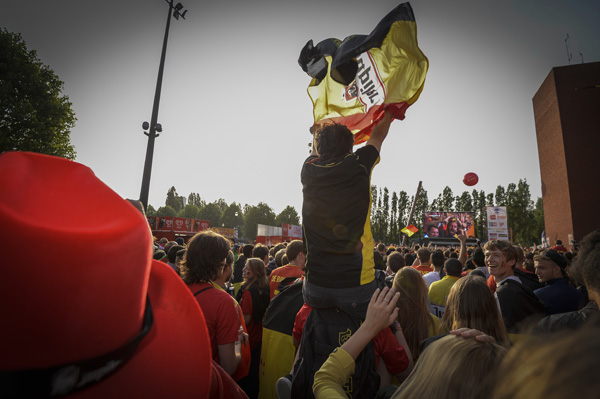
x=353, y=301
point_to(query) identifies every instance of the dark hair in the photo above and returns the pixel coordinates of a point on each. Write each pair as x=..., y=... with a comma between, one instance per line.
x=294, y=248
x=478, y=257
x=409, y=259
x=279, y=257
x=380, y=246
x=453, y=267
x=333, y=141
x=424, y=254
x=260, y=251
x=437, y=258
x=247, y=250
x=520, y=254
x=173, y=252
x=204, y=258
x=586, y=265
x=230, y=258
x=395, y=261
x=159, y=254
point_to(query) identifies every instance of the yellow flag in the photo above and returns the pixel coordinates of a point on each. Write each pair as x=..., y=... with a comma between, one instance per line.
x=355, y=80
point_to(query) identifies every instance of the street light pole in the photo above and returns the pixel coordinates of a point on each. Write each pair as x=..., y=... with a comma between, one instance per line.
x=153, y=121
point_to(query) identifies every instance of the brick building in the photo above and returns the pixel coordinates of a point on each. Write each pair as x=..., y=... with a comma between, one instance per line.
x=567, y=121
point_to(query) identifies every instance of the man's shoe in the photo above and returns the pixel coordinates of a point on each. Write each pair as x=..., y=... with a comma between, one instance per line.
x=283, y=387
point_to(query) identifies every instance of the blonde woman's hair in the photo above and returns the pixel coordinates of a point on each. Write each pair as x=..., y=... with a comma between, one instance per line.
x=552, y=366
x=453, y=368
x=413, y=315
x=471, y=304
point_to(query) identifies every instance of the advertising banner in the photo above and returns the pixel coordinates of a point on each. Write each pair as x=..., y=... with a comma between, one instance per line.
x=165, y=223
x=200, y=225
x=291, y=230
x=497, y=223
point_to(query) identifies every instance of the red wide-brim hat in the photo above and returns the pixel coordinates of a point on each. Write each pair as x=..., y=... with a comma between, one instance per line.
x=85, y=310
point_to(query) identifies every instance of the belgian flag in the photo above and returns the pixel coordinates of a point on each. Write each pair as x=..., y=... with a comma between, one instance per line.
x=356, y=79
x=278, y=351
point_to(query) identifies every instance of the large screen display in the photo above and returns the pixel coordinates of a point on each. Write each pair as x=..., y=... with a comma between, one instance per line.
x=448, y=224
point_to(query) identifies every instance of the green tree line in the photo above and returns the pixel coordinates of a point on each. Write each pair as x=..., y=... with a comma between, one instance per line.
x=390, y=213
x=221, y=214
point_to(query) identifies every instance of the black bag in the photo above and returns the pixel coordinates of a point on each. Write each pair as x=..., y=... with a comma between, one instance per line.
x=325, y=330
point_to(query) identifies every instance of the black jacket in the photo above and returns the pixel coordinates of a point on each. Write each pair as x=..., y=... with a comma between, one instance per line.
x=568, y=320
x=518, y=305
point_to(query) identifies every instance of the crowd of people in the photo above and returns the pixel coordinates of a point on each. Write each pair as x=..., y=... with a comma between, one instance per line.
x=420, y=351
x=110, y=312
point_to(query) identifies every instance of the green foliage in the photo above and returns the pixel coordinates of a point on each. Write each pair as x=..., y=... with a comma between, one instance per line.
x=195, y=199
x=150, y=211
x=233, y=217
x=166, y=211
x=222, y=204
x=255, y=215
x=288, y=216
x=212, y=213
x=189, y=211
x=174, y=200
x=36, y=116
x=447, y=202
x=464, y=203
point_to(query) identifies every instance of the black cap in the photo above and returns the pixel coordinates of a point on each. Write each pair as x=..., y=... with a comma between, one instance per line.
x=553, y=256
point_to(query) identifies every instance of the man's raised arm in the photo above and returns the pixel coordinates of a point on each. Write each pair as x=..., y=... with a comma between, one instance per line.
x=380, y=131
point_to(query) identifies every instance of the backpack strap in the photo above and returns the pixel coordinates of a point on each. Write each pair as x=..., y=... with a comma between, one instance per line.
x=203, y=289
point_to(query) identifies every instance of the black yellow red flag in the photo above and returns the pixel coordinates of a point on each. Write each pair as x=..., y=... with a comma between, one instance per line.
x=356, y=79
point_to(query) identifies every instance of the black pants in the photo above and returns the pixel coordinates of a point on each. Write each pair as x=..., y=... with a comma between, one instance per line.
x=250, y=383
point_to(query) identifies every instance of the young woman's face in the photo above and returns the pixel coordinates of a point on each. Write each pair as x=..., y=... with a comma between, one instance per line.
x=246, y=272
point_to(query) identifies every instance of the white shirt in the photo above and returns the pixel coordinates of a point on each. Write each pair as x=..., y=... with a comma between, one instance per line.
x=431, y=277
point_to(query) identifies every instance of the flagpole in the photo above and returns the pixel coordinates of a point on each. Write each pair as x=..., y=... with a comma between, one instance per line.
x=412, y=211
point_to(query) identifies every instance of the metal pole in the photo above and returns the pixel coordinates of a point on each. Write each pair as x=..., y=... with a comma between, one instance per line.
x=152, y=133
x=412, y=211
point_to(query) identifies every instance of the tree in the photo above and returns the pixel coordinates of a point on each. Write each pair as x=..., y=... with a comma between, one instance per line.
x=386, y=215
x=464, y=203
x=195, y=199
x=212, y=213
x=166, y=211
x=394, y=231
x=255, y=215
x=522, y=215
x=174, y=200
x=233, y=217
x=189, y=211
x=288, y=216
x=403, y=209
x=150, y=211
x=538, y=220
x=500, y=196
x=447, y=203
x=36, y=116
x=222, y=204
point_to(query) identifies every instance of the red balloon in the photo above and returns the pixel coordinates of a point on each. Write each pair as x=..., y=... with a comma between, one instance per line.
x=471, y=179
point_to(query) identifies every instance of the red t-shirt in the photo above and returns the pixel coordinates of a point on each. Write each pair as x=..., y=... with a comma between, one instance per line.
x=221, y=316
x=386, y=345
x=491, y=282
x=280, y=274
x=254, y=329
x=423, y=269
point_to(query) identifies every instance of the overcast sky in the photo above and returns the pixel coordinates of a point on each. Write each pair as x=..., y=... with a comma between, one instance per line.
x=234, y=107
